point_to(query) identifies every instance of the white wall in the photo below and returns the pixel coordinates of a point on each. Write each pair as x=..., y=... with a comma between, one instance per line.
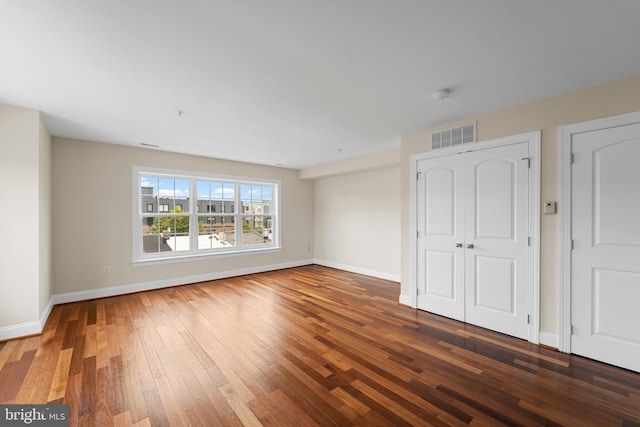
x=24, y=229
x=92, y=218
x=357, y=222
x=45, y=257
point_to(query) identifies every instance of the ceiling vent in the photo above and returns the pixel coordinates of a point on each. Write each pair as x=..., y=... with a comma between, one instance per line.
x=454, y=136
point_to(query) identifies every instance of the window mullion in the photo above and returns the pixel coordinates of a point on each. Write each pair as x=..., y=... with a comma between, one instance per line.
x=238, y=215
x=137, y=244
x=193, y=215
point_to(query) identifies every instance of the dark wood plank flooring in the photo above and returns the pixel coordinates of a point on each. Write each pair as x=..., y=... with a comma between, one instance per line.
x=308, y=346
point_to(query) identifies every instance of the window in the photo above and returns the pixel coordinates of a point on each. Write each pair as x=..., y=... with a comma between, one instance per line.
x=257, y=221
x=200, y=215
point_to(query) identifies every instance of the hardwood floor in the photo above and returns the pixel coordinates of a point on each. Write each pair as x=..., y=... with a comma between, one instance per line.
x=303, y=347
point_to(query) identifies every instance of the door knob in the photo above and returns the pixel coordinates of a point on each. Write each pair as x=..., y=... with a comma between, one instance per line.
x=469, y=245
x=458, y=244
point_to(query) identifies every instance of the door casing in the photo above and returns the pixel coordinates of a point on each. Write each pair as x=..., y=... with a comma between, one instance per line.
x=533, y=140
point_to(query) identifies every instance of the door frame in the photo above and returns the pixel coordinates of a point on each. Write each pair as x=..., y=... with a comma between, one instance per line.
x=565, y=187
x=533, y=142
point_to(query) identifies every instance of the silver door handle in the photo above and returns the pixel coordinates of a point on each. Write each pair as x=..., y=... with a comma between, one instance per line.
x=469, y=245
x=458, y=244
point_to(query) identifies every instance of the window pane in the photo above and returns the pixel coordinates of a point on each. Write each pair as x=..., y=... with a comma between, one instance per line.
x=165, y=233
x=166, y=192
x=215, y=197
x=149, y=193
x=216, y=231
x=174, y=195
x=223, y=197
x=247, y=197
x=256, y=199
x=267, y=199
x=257, y=230
x=203, y=196
x=152, y=240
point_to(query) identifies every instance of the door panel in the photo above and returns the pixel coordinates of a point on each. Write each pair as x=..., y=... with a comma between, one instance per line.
x=494, y=202
x=440, y=221
x=610, y=310
x=497, y=212
x=440, y=198
x=498, y=291
x=440, y=267
x=614, y=188
x=605, y=266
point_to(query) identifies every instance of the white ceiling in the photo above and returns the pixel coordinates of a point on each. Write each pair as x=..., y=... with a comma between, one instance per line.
x=292, y=82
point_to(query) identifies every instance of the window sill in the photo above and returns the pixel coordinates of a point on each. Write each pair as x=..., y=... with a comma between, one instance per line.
x=202, y=256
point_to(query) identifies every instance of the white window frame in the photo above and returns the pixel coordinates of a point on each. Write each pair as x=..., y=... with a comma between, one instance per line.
x=141, y=258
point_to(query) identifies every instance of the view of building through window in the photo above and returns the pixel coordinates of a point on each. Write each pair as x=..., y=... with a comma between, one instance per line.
x=223, y=215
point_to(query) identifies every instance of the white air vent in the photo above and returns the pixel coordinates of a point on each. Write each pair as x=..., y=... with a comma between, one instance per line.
x=454, y=136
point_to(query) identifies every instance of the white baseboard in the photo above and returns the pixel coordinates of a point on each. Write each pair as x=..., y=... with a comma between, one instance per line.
x=159, y=284
x=45, y=314
x=28, y=328
x=36, y=327
x=352, y=269
x=405, y=300
x=549, y=339
x=20, y=330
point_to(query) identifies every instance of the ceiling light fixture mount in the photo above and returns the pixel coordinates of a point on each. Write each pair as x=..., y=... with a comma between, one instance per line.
x=441, y=94
x=180, y=113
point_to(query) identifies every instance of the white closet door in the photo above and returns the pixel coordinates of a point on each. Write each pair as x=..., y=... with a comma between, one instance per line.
x=472, y=247
x=440, y=216
x=496, y=239
x=605, y=272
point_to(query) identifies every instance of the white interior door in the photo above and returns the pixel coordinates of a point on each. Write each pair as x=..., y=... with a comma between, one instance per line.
x=605, y=261
x=497, y=240
x=472, y=244
x=440, y=263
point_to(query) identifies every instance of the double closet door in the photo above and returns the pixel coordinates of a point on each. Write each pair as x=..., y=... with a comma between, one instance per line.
x=472, y=240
